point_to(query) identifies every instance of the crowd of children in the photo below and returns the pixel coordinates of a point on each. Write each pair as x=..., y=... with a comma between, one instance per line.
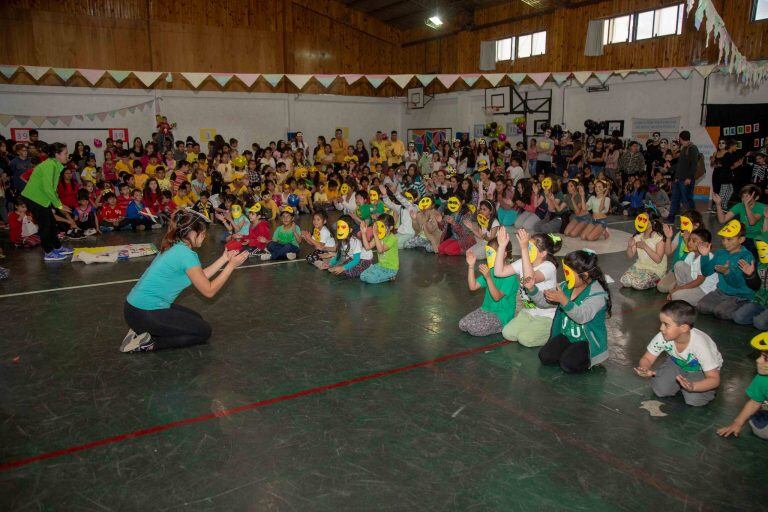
x=466, y=198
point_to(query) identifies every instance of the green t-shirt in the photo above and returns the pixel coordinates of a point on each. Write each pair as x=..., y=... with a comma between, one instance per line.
x=680, y=253
x=42, y=184
x=741, y=213
x=758, y=389
x=390, y=258
x=364, y=211
x=505, y=308
x=285, y=236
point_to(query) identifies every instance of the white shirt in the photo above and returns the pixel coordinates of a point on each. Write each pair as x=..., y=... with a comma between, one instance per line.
x=326, y=238
x=710, y=282
x=28, y=226
x=701, y=354
x=515, y=173
x=549, y=272
x=356, y=246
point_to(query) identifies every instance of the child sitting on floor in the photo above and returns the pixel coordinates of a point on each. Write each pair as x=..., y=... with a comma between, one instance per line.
x=23, y=230
x=499, y=304
x=648, y=246
x=756, y=312
x=85, y=214
x=386, y=246
x=676, y=245
x=754, y=411
x=690, y=284
x=320, y=238
x=286, y=238
x=351, y=257
x=258, y=234
x=111, y=216
x=579, y=337
x=693, y=361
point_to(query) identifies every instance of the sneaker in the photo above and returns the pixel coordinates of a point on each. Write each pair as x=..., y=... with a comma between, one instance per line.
x=75, y=234
x=137, y=342
x=66, y=251
x=54, y=256
x=266, y=257
x=90, y=232
x=4, y=273
x=157, y=226
x=291, y=256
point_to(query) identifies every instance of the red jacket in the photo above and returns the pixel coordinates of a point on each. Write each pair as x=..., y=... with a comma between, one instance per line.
x=68, y=194
x=260, y=229
x=14, y=223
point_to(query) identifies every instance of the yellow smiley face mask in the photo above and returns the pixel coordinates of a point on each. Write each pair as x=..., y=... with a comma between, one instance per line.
x=381, y=229
x=342, y=230
x=686, y=224
x=762, y=251
x=760, y=342
x=237, y=211
x=453, y=204
x=410, y=197
x=425, y=203
x=641, y=223
x=546, y=183
x=570, y=276
x=490, y=256
x=373, y=196
x=533, y=251
x=482, y=220
x=344, y=190
x=730, y=230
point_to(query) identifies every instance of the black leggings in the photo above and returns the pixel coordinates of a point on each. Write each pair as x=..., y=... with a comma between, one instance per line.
x=175, y=327
x=572, y=357
x=46, y=225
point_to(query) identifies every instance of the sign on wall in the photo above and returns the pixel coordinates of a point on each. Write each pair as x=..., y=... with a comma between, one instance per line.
x=643, y=129
x=429, y=139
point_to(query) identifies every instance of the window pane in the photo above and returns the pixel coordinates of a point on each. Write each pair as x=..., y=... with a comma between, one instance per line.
x=524, y=46
x=539, y=44
x=644, y=25
x=761, y=10
x=606, y=28
x=620, y=32
x=666, y=21
x=680, y=11
x=504, y=49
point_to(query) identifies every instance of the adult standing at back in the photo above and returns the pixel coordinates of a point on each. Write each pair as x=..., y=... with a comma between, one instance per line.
x=545, y=147
x=685, y=175
x=40, y=195
x=339, y=147
x=395, y=150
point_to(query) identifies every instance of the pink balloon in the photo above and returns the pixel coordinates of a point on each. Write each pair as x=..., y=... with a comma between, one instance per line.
x=97, y=143
x=502, y=137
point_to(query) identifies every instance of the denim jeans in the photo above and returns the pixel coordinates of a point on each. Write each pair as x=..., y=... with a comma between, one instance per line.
x=680, y=192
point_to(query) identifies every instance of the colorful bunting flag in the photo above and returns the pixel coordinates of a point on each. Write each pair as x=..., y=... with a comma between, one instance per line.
x=603, y=76
x=64, y=73
x=299, y=80
x=447, y=80
x=8, y=71
x=376, y=80
x=665, y=72
x=401, y=80
x=582, y=76
x=223, y=78
x=516, y=77
x=118, y=76
x=195, y=79
x=493, y=78
x=539, y=78
x=273, y=79
x=37, y=120
x=37, y=72
x=147, y=77
x=326, y=80
x=92, y=75
x=470, y=80
x=352, y=78
x=5, y=119
x=425, y=79
x=248, y=79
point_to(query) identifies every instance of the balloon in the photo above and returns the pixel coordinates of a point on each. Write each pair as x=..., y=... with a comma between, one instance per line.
x=239, y=161
x=494, y=125
x=502, y=137
x=293, y=200
x=97, y=143
x=486, y=132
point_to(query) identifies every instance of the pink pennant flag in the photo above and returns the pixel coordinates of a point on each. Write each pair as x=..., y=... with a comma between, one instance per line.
x=248, y=79
x=539, y=78
x=665, y=72
x=447, y=80
x=92, y=75
x=102, y=115
x=352, y=78
x=67, y=120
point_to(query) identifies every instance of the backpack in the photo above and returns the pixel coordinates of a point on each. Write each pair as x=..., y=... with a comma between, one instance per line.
x=701, y=169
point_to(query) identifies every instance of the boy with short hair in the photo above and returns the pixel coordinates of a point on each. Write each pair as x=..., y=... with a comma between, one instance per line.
x=90, y=171
x=139, y=178
x=732, y=288
x=111, y=216
x=693, y=361
x=754, y=411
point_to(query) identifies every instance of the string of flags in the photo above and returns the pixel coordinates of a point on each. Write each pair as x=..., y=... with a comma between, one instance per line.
x=24, y=120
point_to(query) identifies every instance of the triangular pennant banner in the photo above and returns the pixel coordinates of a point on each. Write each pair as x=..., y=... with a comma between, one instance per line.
x=705, y=71
x=195, y=79
x=624, y=73
x=494, y=78
x=582, y=76
x=447, y=80
x=299, y=80
x=685, y=72
x=122, y=112
x=147, y=77
x=92, y=75
x=248, y=79
x=37, y=72
x=8, y=71
x=516, y=77
x=665, y=72
x=470, y=80
x=539, y=78
x=559, y=78
x=326, y=80
x=37, y=120
x=273, y=79
x=603, y=75
x=112, y=113
x=102, y=116
x=425, y=79
x=64, y=73
x=401, y=80
x=119, y=76
x=79, y=118
x=352, y=78
x=131, y=110
x=53, y=120
x=376, y=80
x=22, y=120
x=67, y=120
x=5, y=119
x=223, y=78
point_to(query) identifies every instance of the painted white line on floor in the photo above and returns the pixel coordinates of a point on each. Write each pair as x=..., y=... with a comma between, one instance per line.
x=93, y=285
x=620, y=222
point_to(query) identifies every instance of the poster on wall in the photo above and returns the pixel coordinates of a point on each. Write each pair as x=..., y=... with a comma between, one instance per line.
x=207, y=134
x=744, y=123
x=119, y=134
x=20, y=134
x=478, y=132
x=429, y=139
x=643, y=129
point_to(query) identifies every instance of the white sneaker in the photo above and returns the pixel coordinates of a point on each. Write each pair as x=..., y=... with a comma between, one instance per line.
x=136, y=342
x=266, y=256
x=291, y=255
x=90, y=232
x=157, y=226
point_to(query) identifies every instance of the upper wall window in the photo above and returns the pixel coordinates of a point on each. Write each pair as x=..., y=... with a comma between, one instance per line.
x=665, y=21
x=760, y=10
x=521, y=46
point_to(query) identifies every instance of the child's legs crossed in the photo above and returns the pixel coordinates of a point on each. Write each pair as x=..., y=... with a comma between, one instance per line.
x=728, y=307
x=480, y=323
x=376, y=274
x=697, y=399
x=746, y=314
x=710, y=301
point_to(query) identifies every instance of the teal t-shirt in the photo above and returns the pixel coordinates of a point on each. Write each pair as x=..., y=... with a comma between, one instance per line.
x=732, y=283
x=165, y=278
x=680, y=253
x=741, y=213
x=758, y=389
x=505, y=308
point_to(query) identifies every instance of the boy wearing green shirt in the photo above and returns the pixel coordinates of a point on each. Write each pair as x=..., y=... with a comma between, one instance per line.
x=754, y=411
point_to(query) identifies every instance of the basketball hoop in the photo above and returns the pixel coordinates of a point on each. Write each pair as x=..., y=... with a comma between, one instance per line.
x=490, y=111
x=412, y=105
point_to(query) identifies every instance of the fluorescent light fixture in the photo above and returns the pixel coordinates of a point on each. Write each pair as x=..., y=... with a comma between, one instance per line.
x=434, y=22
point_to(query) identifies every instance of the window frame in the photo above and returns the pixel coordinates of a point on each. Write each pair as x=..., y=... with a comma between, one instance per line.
x=753, y=15
x=511, y=49
x=515, y=46
x=633, y=24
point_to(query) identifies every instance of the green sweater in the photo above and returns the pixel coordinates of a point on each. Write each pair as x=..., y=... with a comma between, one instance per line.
x=42, y=184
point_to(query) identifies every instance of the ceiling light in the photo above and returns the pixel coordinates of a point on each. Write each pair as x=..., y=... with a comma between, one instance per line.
x=434, y=22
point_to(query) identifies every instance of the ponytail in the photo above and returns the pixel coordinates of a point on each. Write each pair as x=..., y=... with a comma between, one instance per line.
x=549, y=242
x=585, y=262
x=182, y=223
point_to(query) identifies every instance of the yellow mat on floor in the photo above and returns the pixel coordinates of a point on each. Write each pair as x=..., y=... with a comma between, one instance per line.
x=113, y=253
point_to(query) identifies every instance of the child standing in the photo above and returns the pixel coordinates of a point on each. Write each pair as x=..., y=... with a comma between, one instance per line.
x=648, y=246
x=498, y=306
x=732, y=289
x=757, y=392
x=579, y=338
x=532, y=325
x=320, y=239
x=693, y=363
x=351, y=258
x=286, y=238
x=386, y=246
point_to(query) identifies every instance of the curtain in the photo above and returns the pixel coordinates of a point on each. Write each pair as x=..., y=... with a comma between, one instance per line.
x=487, y=55
x=594, y=44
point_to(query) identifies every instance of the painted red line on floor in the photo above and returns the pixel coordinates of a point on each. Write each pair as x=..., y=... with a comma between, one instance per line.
x=565, y=436
x=247, y=407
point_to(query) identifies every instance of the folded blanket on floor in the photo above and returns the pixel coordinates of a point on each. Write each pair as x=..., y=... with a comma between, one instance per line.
x=113, y=253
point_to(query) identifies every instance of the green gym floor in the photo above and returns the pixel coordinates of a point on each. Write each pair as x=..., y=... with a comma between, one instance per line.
x=323, y=393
